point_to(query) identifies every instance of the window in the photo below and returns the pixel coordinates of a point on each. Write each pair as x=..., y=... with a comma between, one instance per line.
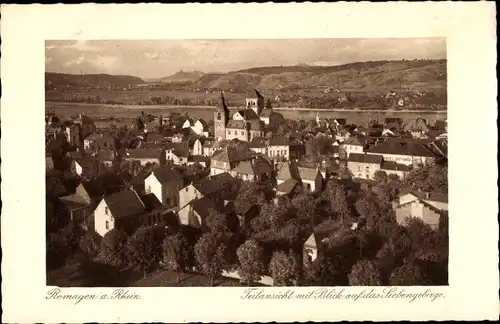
x=219, y=116
x=367, y=176
x=229, y=132
x=106, y=210
x=107, y=225
x=308, y=186
x=148, y=190
x=187, y=189
x=242, y=133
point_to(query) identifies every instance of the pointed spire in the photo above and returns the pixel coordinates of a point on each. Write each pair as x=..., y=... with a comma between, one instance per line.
x=258, y=94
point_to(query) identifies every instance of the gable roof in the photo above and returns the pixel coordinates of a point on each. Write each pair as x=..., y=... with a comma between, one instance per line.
x=233, y=154
x=256, y=125
x=307, y=173
x=73, y=202
x=166, y=175
x=287, y=170
x=238, y=124
x=365, y=158
x=287, y=186
x=151, y=202
x=106, y=183
x=248, y=114
x=124, y=203
x=244, y=167
x=424, y=195
x=402, y=147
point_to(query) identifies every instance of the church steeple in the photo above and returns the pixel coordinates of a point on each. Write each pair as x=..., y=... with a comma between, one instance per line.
x=221, y=117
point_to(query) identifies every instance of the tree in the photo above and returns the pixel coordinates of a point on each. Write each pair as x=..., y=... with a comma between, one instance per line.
x=176, y=253
x=335, y=194
x=380, y=177
x=90, y=243
x=251, y=258
x=211, y=254
x=112, y=248
x=284, y=269
x=368, y=209
x=324, y=271
x=365, y=273
x=141, y=249
x=407, y=275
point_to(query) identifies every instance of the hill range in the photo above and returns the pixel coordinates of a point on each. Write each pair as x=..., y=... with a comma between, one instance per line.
x=415, y=75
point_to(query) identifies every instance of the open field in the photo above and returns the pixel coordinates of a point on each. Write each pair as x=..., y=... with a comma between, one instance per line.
x=66, y=110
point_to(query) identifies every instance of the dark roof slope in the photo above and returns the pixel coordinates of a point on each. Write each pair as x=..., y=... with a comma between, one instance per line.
x=167, y=174
x=365, y=158
x=401, y=147
x=124, y=204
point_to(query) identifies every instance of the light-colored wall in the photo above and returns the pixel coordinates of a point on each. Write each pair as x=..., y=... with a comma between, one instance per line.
x=360, y=170
x=100, y=218
x=197, y=148
x=262, y=150
x=348, y=149
x=186, y=196
x=400, y=174
x=265, y=120
x=240, y=134
x=418, y=210
x=152, y=185
x=78, y=168
x=186, y=124
x=279, y=150
x=405, y=159
x=438, y=204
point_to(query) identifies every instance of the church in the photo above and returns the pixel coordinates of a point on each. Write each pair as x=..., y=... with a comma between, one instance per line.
x=245, y=124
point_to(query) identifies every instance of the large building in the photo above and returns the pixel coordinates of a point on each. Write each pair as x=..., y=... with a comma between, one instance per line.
x=245, y=124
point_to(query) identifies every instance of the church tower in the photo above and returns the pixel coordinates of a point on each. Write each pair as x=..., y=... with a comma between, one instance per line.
x=221, y=117
x=255, y=102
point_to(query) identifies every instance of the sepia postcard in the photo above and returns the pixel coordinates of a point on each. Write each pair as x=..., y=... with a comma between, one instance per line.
x=249, y=162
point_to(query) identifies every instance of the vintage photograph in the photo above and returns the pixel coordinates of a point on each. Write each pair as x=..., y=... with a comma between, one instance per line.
x=246, y=162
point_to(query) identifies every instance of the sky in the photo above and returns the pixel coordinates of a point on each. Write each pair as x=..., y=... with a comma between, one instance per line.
x=158, y=58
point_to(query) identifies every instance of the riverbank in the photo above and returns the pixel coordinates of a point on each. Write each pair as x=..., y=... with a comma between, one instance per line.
x=147, y=107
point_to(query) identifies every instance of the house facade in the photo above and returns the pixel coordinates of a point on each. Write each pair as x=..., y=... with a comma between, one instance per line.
x=165, y=183
x=363, y=165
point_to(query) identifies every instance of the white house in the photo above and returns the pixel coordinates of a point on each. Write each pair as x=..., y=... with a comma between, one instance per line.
x=118, y=211
x=422, y=205
x=403, y=152
x=279, y=147
x=165, y=184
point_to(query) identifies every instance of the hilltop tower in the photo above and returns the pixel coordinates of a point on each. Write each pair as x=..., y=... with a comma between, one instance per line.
x=221, y=117
x=255, y=102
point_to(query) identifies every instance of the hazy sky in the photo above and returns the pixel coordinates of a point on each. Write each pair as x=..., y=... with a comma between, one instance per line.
x=159, y=58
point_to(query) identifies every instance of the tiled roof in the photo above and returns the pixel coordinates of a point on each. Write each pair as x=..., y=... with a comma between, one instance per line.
x=167, y=174
x=424, y=195
x=150, y=202
x=393, y=166
x=238, y=124
x=244, y=167
x=103, y=184
x=365, y=158
x=307, y=173
x=223, y=184
x=287, y=170
x=242, y=206
x=248, y=114
x=73, y=201
x=256, y=125
x=232, y=154
x=398, y=147
x=124, y=203
x=287, y=186
x=278, y=141
x=257, y=142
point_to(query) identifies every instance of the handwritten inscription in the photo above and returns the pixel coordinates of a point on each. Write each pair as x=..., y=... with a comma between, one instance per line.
x=341, y=293
x=117, y=294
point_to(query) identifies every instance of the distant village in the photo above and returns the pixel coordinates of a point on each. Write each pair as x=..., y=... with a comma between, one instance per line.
x=292, y=190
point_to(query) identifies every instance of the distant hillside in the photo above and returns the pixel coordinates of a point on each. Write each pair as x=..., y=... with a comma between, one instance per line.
x=90, y=80
x=362, y=76
x=181, y=76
